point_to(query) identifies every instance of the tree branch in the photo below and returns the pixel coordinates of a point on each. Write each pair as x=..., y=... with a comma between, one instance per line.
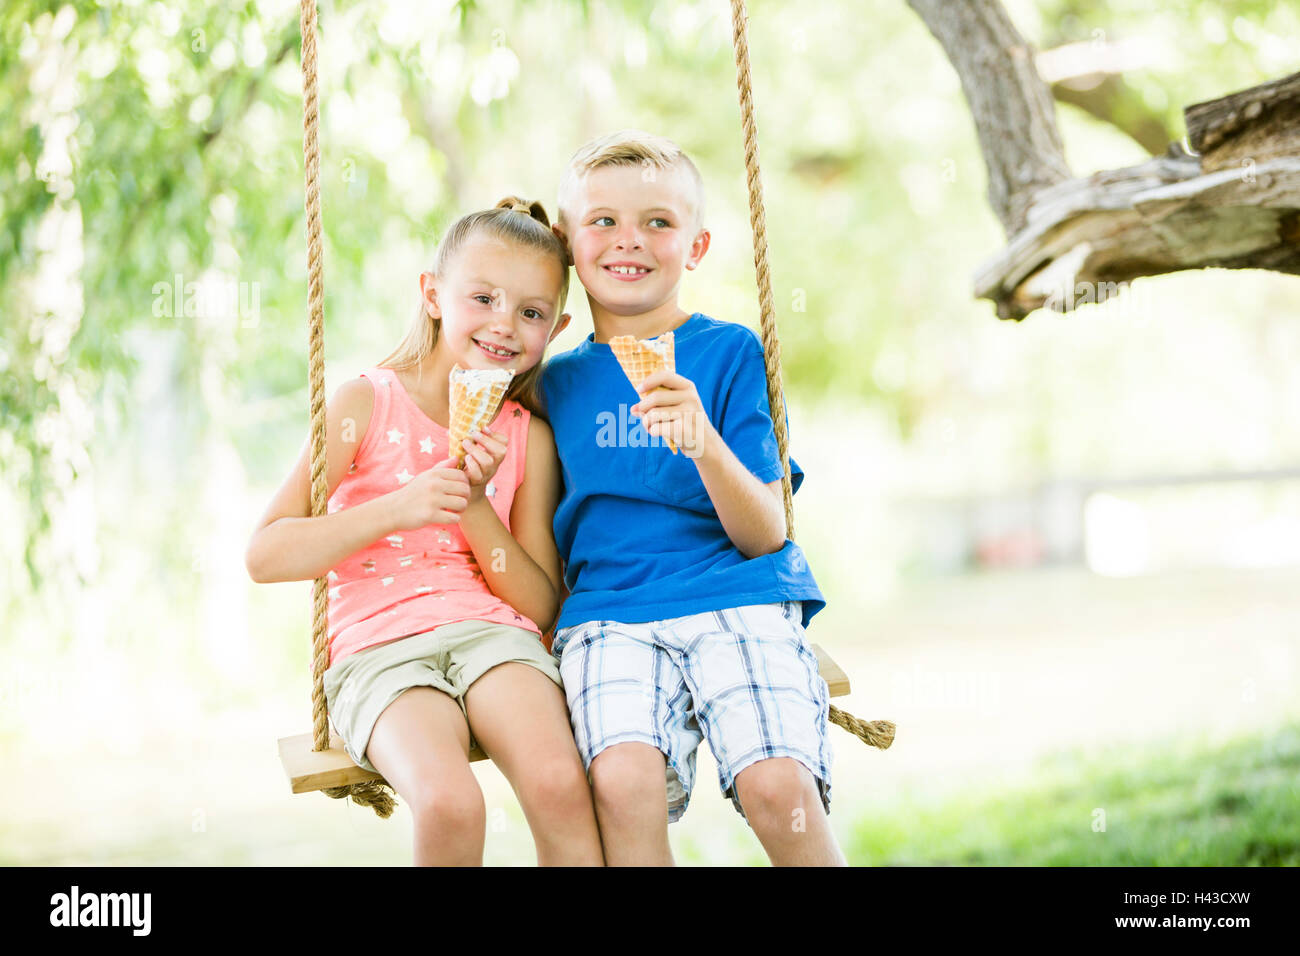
x=1085, y=239
x=1090, y=75
x=1105, y=96
x=1254, y=125
x=1236, y=205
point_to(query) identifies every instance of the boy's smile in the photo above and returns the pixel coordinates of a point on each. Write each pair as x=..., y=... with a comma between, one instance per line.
x=632, y=232
x=627, y=271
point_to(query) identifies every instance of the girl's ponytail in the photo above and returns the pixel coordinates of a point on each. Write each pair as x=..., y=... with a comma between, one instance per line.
x=533, y=209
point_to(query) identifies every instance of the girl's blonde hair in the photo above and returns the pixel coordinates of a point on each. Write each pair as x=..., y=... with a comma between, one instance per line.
x=512, y=220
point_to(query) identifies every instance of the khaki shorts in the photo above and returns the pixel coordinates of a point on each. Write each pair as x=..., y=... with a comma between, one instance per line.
x=450, y=658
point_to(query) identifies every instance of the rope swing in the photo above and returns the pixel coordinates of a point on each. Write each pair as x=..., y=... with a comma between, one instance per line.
x=376, y=794
x=326, y=766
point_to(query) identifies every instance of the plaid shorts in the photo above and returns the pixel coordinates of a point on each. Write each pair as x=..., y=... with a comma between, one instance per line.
x=743, y=678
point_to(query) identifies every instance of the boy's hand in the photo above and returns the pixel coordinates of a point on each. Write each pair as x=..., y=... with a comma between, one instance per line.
x=670, y=409
x=484, y=452
x=435, y=496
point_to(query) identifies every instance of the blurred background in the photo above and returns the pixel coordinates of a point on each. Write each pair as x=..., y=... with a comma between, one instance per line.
x=1062, y=554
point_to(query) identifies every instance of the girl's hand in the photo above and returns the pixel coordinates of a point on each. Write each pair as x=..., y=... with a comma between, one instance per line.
x=484, y=452
x=670, y=409
x=435, y=496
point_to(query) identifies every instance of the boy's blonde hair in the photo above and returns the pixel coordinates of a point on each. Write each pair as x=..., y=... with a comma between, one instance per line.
x=630, y=147
x=512, y=220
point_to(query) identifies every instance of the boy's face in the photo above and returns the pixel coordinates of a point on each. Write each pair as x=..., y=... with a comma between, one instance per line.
x=632, y=231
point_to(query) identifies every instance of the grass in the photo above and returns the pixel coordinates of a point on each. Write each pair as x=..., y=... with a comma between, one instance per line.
x=1173, y=804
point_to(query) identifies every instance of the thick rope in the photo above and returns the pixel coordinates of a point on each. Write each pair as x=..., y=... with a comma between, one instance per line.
x=315, y=358
x=375, y=794
x=758, y=224
x=372, y=793
x=879, y=733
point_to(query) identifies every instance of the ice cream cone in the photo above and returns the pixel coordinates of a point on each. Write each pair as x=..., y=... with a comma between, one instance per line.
x=640, y=357
x=476, y=396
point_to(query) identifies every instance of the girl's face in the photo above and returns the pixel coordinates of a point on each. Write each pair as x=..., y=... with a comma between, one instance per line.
x=498, y=303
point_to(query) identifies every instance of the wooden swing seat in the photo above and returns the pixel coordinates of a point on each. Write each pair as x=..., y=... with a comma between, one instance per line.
x=310, y=770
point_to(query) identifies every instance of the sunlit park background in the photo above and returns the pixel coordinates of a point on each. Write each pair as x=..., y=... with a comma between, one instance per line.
x=1062, y=554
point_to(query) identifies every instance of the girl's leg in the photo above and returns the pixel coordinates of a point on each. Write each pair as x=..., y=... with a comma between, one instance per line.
x=521, y=721
x=421, y=745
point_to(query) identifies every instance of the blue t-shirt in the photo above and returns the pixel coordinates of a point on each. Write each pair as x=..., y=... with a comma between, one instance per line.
x=636, y=528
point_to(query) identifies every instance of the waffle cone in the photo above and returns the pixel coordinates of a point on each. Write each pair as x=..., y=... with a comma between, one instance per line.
x=640, y=357
x=476, y=397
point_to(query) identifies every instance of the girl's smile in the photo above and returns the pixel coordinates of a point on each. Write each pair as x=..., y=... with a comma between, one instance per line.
x=498, y=353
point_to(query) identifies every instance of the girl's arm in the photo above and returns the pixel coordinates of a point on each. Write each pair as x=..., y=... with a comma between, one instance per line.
x=522, y=569
x=289, y=545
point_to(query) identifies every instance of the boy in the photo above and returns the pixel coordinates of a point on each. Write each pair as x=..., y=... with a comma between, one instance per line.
x=687, y=603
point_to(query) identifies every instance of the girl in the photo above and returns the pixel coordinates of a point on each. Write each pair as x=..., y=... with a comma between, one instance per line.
x=442, y=580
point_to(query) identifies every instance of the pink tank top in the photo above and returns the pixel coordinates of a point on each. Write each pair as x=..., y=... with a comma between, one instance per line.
x=413, y=581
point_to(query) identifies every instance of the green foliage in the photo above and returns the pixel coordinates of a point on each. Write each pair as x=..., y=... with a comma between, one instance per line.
x=181, y=125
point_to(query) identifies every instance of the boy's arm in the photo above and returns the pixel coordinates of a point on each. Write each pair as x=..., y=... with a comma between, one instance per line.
x=752, y=513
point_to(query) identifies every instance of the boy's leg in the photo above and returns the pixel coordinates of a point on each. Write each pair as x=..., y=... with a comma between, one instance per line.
x=420, y=743
x=519, y=718
x=763, y=706
x=784, y=809
x=632, y=805
x=633, y=723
